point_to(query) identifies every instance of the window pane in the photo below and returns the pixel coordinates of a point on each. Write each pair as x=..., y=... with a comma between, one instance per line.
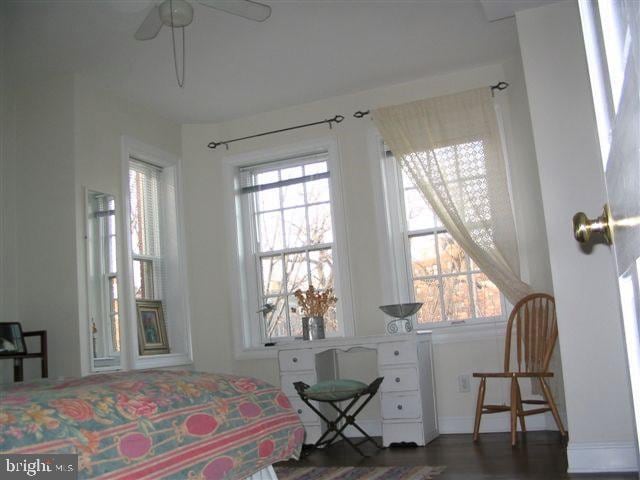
x=418, y=212
x=276, y=320
x=295, y=227
x=113, y=293
x=331, y=320
x=270, y=231
x=272, y=277
x=453, y=259
x=313, y=168
x=457, y=304
x=318, y=191
x=321, y=266
x=293, y=195
x=292, y=172
x=113, y=262
x=295, y=317
x=428, y=292
x=423, y=255
x=296, y=268
x=268, y=199
x=266, y=177
x=320, y=227
x=486, y=296
x=143, y=279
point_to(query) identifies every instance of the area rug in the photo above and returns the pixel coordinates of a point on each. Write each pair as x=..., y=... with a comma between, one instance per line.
x=357, y=473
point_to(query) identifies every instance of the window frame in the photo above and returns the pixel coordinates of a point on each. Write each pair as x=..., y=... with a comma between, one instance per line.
x=178, y=329
x=396, y=253
x=245, y=274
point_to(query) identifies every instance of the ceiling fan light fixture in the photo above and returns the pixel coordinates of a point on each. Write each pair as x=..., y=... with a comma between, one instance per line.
x=176, y=13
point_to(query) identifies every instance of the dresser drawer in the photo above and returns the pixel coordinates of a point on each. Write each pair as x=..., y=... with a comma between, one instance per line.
x=400, y=406
x=296, y=360
x=399, y=379
x=307, y=416
x=287, y=381
x=397, y=352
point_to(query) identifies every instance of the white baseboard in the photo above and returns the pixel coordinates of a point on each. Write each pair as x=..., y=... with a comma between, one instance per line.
x=587, y=457
x=372, y=426
x=495, y=422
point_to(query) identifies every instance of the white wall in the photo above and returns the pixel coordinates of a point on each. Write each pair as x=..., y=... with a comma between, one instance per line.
x=8, y=295
x=595, y=375
x=209, y=248
x=45, y=218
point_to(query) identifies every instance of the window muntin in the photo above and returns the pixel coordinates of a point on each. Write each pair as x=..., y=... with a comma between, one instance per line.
x=290, y=209
x=443, y=277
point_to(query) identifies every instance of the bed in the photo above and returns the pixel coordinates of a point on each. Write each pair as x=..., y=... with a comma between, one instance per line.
x=154, y=424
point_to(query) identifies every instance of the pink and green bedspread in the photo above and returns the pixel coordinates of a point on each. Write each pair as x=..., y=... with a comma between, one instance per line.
x=153, y=424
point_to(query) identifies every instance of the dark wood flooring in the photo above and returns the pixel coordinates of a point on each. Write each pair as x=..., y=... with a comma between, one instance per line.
x=538, y=456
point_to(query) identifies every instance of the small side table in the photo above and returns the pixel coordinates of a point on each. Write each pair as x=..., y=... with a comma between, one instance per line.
x=18, y=371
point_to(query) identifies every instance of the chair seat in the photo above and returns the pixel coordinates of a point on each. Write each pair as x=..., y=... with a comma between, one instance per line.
x=335, y=390
x=513, y=374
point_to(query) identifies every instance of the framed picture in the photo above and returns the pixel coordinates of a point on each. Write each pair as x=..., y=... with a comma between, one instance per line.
x=152, y=332
x=11, y=339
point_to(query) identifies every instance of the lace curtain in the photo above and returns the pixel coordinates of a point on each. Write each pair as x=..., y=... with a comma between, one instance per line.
x=450, y=148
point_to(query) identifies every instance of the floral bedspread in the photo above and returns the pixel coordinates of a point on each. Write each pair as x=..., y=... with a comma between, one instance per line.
x=153, y=424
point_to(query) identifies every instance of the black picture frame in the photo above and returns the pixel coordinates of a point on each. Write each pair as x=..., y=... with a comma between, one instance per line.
x=12, y=339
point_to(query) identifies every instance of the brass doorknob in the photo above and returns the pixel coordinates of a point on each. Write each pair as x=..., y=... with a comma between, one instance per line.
x=584, y=228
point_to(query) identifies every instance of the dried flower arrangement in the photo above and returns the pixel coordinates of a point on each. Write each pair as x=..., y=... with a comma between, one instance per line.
x=314, y=303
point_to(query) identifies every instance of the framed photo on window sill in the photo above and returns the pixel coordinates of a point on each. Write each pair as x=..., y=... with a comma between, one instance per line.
x=152, y=331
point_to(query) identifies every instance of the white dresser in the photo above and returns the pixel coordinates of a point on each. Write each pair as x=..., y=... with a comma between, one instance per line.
x=407, y=395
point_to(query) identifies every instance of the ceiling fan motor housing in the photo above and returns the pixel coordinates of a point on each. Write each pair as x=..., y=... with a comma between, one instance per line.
x=182, y=13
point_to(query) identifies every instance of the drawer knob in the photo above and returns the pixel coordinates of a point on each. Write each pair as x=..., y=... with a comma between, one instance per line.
x=397, y=379
x=399, y=407
x=396, y=353
x=295, y=359
x=299, y=411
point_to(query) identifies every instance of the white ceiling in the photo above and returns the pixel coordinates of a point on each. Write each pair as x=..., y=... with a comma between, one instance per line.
x=307, y=50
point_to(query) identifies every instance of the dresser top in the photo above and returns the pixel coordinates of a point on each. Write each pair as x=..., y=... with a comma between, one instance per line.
x=355, y=342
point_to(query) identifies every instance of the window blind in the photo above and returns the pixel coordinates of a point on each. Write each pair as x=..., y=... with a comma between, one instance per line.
x=146, y=187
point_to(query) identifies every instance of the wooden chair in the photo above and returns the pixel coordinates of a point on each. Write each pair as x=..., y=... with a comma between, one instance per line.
x=536, y=332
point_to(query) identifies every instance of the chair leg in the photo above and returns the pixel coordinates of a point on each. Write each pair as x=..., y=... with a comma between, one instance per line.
x=514, y=410
x=479, y=406
x=523, y=426
x=552, y=404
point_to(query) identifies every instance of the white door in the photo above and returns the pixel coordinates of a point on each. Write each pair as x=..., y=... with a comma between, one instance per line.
x=611, y=30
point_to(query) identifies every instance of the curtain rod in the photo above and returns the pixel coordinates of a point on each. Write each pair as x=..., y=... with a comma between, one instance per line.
x=328, y=121
x=497, y=86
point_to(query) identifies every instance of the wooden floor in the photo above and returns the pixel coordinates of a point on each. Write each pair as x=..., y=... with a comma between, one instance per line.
x=539, y=456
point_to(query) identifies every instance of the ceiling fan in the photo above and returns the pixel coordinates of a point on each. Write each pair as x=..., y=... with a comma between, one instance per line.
x=179, y=14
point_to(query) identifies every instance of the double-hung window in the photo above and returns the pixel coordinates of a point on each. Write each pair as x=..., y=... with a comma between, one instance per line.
x=289, y=242
x=435, y=269
x=155, y=257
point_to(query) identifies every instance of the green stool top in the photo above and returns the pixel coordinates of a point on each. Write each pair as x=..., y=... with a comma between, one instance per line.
x=335, y=390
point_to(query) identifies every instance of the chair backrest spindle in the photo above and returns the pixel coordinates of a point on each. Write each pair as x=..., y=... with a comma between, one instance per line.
x=536, y=331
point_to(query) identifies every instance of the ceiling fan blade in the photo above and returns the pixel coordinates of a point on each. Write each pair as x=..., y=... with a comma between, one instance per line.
x=243, y=8
x=151, y=25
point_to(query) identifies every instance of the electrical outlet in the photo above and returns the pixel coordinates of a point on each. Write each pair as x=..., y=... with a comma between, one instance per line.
x=464, y=383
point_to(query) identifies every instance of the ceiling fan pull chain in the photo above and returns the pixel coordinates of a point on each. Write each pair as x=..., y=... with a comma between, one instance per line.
x=173, y=43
